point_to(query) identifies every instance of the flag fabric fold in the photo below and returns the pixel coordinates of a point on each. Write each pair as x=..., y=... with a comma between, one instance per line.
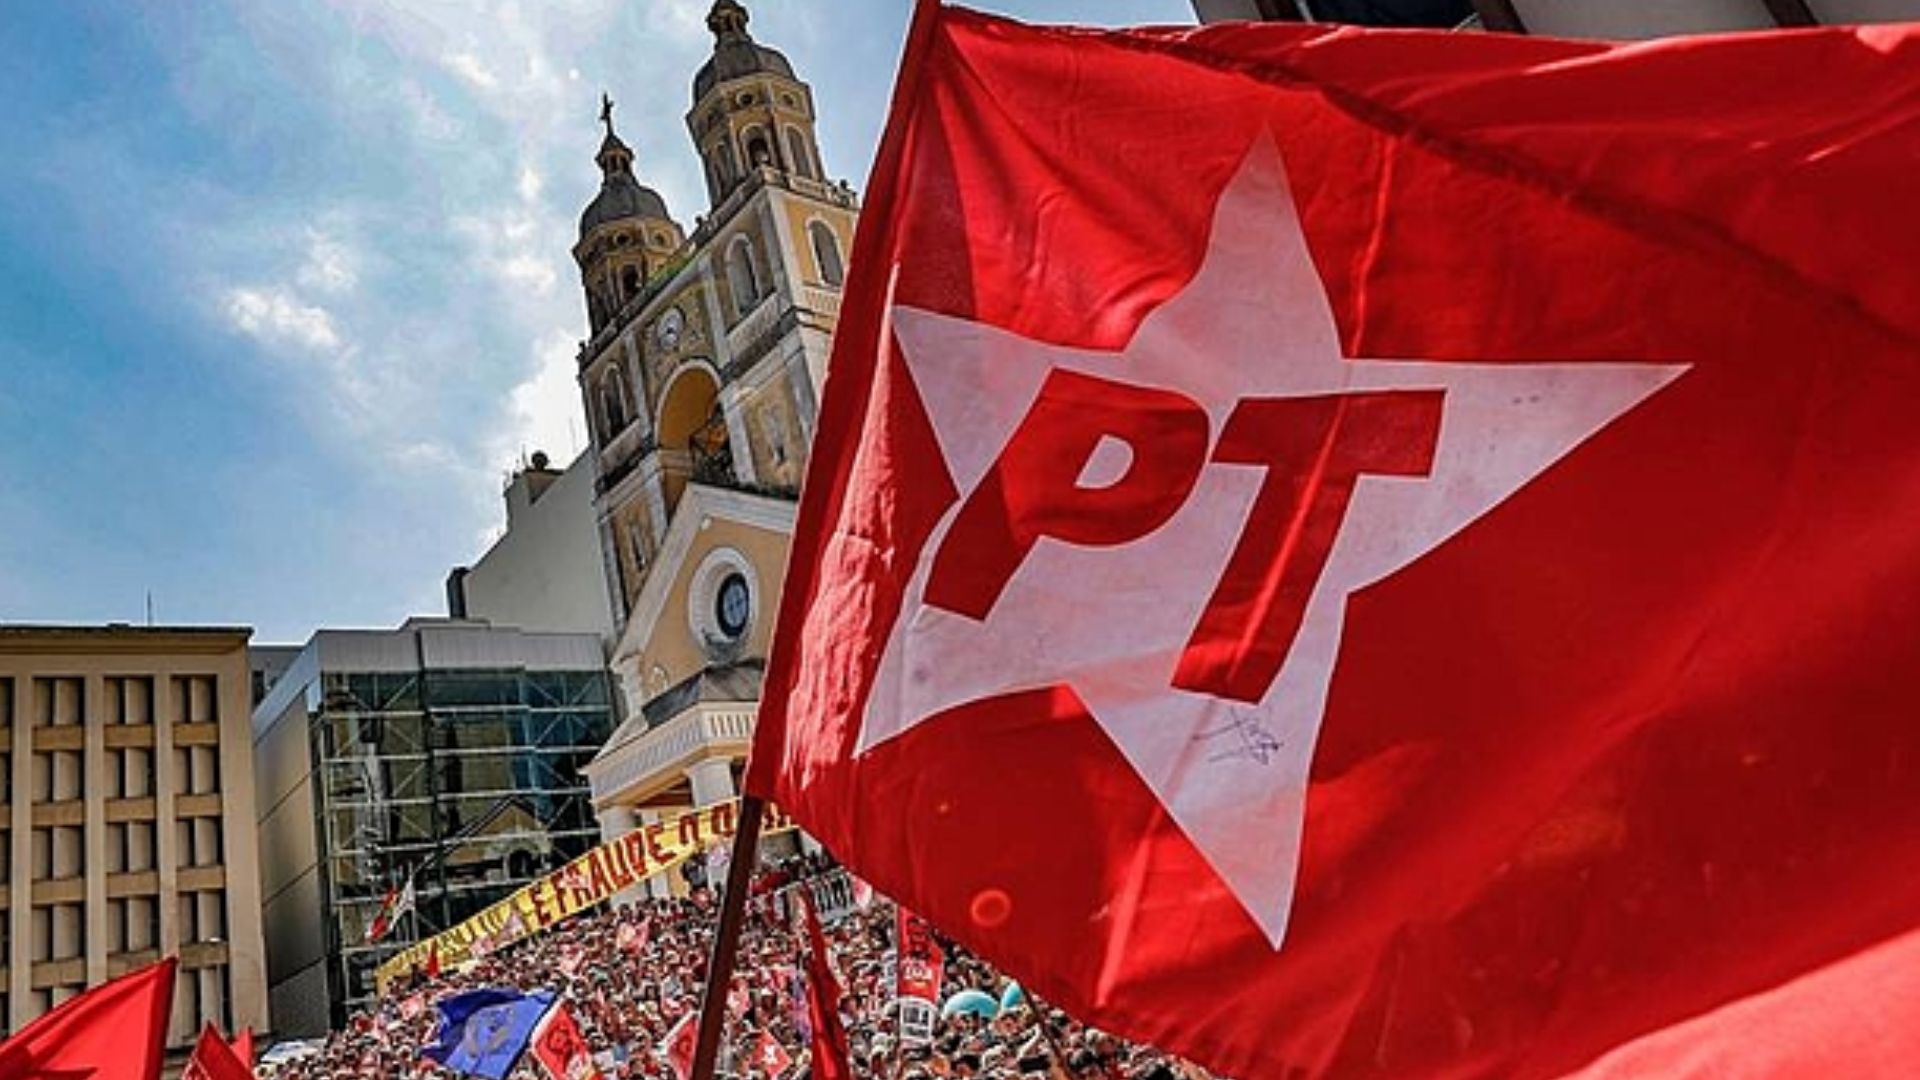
x=560, y=1047
x=483, y=1032
x=398, y=901
x=214, y=1059
x=827, y=1035
x=1420, y=529
x=115, y=1031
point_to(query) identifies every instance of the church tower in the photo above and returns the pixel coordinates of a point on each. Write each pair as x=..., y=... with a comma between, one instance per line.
x=701, y=380
x=749, y=110
x=626, y=234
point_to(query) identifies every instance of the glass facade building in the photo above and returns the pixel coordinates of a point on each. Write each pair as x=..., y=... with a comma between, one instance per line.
x=448, y=751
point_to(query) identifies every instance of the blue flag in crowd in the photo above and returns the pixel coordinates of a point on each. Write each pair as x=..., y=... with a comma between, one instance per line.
x=483, y=1032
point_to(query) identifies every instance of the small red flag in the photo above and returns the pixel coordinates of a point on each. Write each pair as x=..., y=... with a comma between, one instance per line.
x=678, y=1048
x=213, y=1059
x=116, y=1031
x=770, y=1057
x=823, y=1001
x=1419, y=529
x=242, y=1046
x=560, y=1047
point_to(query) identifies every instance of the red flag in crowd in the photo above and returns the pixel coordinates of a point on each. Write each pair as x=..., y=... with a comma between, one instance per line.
x=560, y=1047
x=633, y=938
x=213, y=1059
x=242, y=1046
x=432, y=967
x=115, y=1031
x=678, y=1047
x=398, y=901
x=1423, y=530
x=829, y=1035
x=770, y=1057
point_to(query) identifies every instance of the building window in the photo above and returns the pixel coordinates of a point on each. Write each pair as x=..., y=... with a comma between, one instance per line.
x=759, y=150
x=743, y=276
x=733, y=606
x=826, y=254
x=613, y=403
x=799, y=157
x=630, y=279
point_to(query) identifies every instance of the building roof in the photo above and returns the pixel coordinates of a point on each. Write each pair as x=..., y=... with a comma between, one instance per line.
x=622, y=197
x=120, y=637
x=735, y=53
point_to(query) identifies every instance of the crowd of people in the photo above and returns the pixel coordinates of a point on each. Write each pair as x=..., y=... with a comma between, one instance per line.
x=631, y=975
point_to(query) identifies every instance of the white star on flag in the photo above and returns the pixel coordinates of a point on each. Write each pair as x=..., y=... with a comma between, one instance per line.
x=1112, y=622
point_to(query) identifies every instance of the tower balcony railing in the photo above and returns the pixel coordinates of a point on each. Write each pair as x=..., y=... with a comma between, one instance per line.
x=660, y=755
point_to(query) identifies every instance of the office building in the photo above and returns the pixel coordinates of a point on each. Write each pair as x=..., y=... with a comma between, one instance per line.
x=445, y=751
x=544, y=572
x=129, y=819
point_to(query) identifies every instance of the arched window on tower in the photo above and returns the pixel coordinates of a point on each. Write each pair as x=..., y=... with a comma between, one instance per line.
x=759, y=150
x=799, y=159
x=826, y=254
x=613, y=403
x=743, y=275
x=726, y=167
x=630, y=282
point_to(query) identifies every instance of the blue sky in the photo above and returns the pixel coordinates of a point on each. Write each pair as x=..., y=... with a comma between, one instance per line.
x=287, y=286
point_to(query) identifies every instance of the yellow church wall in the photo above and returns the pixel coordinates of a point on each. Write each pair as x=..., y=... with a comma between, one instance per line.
x=773, y=426
x=672, y=652
x=799, y=215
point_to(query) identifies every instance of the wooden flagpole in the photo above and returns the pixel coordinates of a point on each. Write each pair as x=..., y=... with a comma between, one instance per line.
x=726, y=938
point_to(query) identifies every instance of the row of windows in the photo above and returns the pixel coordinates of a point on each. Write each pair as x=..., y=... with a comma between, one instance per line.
x=723, y=160
x=60, y=775
x=400, y=692
x=59, y=852
x=60, y=700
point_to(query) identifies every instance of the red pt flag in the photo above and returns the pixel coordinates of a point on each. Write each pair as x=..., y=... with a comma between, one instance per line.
x=560, y=1047
x=1422, y=530
x=115, y=1031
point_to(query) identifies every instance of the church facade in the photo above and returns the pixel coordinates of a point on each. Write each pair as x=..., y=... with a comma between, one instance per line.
x=700, y=382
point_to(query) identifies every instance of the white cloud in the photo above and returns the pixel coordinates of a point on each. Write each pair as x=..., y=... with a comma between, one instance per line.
x=685, y=21
x=511, y=246
x=331, y=266
x=544, y=412
x=472, y=69
x=531, y=183
x=432, y=120
x=278, y=318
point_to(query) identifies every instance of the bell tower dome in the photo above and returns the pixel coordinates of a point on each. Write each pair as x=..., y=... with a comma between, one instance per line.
x=626, y=234
x=750, y=111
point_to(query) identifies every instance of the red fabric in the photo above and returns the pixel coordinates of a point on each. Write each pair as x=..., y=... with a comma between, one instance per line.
x=769, y=1057
x=1628, y=766
x=680, y=1045
x=561, y=1049
x=116, y=1031
x=213, y=1059
x=829, y=1047
x=242, y=1046
x=920, y=960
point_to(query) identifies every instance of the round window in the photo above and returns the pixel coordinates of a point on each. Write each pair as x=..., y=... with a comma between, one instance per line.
x=732, y=606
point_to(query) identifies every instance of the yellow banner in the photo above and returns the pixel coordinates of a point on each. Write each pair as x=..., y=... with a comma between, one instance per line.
x=591, y=879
